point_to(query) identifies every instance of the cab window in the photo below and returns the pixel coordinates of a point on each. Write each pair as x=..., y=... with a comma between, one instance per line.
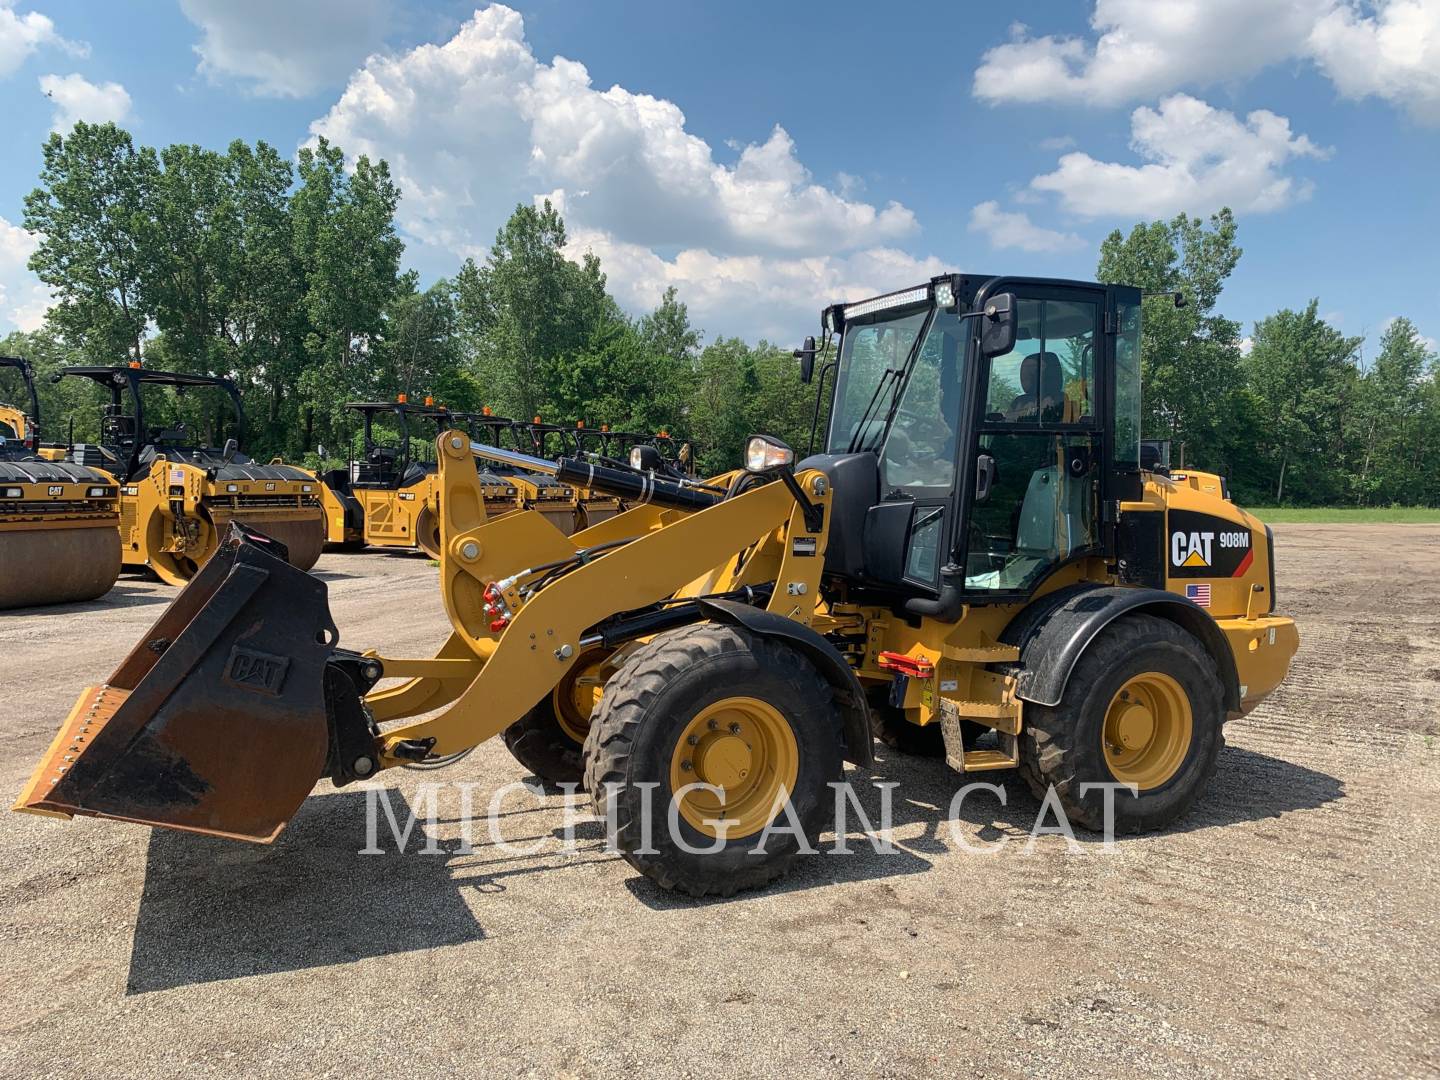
x=1048, y=378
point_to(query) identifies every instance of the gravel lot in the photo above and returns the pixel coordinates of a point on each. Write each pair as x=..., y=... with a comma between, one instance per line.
x=1290, y=926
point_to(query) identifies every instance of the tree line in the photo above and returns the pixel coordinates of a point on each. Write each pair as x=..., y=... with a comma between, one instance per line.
x=286, y=277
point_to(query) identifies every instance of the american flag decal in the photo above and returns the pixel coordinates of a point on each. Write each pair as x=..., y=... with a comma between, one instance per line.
x=1199, y=593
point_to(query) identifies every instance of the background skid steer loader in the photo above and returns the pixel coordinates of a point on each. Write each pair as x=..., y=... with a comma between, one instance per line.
x=58, y=539
x=976, y=566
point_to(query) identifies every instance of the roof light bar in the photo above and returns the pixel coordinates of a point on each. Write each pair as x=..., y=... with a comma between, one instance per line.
x=890, y=300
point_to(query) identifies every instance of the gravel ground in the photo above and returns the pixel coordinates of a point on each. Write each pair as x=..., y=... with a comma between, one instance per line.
x=1290, y=926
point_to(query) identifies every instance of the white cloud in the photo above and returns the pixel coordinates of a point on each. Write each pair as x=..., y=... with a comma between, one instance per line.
x=23, y=34
x=1006, y=229
x=1142, y=49
x=474, y=125
x=23, y=299
x=1394, y=54
x=77, y=98
x=753, y=295
x=1197, y=159
x=282, y=48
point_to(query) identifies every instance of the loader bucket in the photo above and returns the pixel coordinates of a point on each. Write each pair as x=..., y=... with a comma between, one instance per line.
x=216, y=721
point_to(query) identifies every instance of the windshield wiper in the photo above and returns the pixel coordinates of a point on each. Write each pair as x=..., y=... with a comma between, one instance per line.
x=891, y=376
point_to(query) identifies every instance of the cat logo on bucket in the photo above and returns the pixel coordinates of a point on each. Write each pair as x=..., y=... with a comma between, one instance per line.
x=1202, y=545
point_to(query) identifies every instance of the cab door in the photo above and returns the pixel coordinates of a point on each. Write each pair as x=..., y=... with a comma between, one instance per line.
x=1039, y=442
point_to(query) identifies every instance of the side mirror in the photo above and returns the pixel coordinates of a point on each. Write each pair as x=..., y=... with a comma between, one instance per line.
x=998, y=325
x=806, y=355
x=231, y=449
x=985, y=476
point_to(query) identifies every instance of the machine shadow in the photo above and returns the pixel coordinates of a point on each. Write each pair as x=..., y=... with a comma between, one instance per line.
x=1248, y=786
x=124, y=594
x=215, y=909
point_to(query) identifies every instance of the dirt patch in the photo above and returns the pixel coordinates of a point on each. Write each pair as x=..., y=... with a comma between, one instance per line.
x=1286, y=927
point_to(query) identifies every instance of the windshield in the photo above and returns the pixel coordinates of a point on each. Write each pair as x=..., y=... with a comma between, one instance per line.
x=872, y=359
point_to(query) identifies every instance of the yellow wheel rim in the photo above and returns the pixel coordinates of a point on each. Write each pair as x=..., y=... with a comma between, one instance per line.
x=746, y=748
x=577, y=696
x=1147, y=732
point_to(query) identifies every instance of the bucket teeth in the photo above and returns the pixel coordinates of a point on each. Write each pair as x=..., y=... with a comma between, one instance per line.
x=87, y=719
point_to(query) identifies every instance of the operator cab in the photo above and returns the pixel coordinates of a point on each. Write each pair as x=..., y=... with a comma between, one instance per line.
x=383, y=465
x=982, y=433
x=195, y=430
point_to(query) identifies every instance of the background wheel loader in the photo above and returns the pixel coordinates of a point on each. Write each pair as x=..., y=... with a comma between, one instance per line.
x=977, y=549
x=179, y=492
x=58, y=538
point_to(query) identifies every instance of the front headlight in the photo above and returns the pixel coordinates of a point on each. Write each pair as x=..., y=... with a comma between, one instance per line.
x=763, y=453
x=637, y=460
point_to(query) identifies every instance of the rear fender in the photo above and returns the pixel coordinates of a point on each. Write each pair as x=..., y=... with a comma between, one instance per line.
x=1054, y=631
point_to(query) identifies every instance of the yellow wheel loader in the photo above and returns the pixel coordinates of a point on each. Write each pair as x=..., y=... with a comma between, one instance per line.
x=976, y=564
x=58, y=539
x=177, y=496
x=393, y=494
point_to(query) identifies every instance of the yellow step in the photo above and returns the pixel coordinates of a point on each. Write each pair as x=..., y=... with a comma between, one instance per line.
x=988, y=760
x=987, y=652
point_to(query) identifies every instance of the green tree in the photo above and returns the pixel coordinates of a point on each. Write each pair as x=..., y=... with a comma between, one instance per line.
x=1391, y=407
x=349, y=254
x=527, y=308
x=1190, y=356
x=91, y=211
x=1301, y=377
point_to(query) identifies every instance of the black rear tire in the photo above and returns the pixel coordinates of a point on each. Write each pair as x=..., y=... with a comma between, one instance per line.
x=538, y=742
x=635, y=735
x=888, y=724
x=1063, y=745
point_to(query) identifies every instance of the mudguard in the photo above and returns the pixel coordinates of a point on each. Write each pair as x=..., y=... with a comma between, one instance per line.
x=1053, y=632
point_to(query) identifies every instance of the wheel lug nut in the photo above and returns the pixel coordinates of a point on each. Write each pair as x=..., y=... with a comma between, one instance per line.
x=693, y=740
x=711, y=724
x=685, y=765
x=734, y=729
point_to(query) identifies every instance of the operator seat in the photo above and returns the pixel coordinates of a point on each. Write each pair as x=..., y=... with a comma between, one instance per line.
x=1042, y=385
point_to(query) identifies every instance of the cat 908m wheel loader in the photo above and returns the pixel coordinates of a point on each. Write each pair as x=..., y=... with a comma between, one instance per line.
x=976, y=550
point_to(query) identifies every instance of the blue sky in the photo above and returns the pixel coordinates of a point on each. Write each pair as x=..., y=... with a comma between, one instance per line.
x=767, y=159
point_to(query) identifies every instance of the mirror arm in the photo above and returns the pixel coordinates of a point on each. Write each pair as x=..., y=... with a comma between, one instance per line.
x=814, y=513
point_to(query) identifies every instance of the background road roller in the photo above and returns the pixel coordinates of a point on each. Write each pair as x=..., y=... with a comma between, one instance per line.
x=976, y=565
x=179, y=493
x=58, y=539
x=395, y=489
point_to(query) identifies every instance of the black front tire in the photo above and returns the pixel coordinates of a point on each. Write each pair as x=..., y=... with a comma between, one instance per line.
x=538, y=742
x=634, y=734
